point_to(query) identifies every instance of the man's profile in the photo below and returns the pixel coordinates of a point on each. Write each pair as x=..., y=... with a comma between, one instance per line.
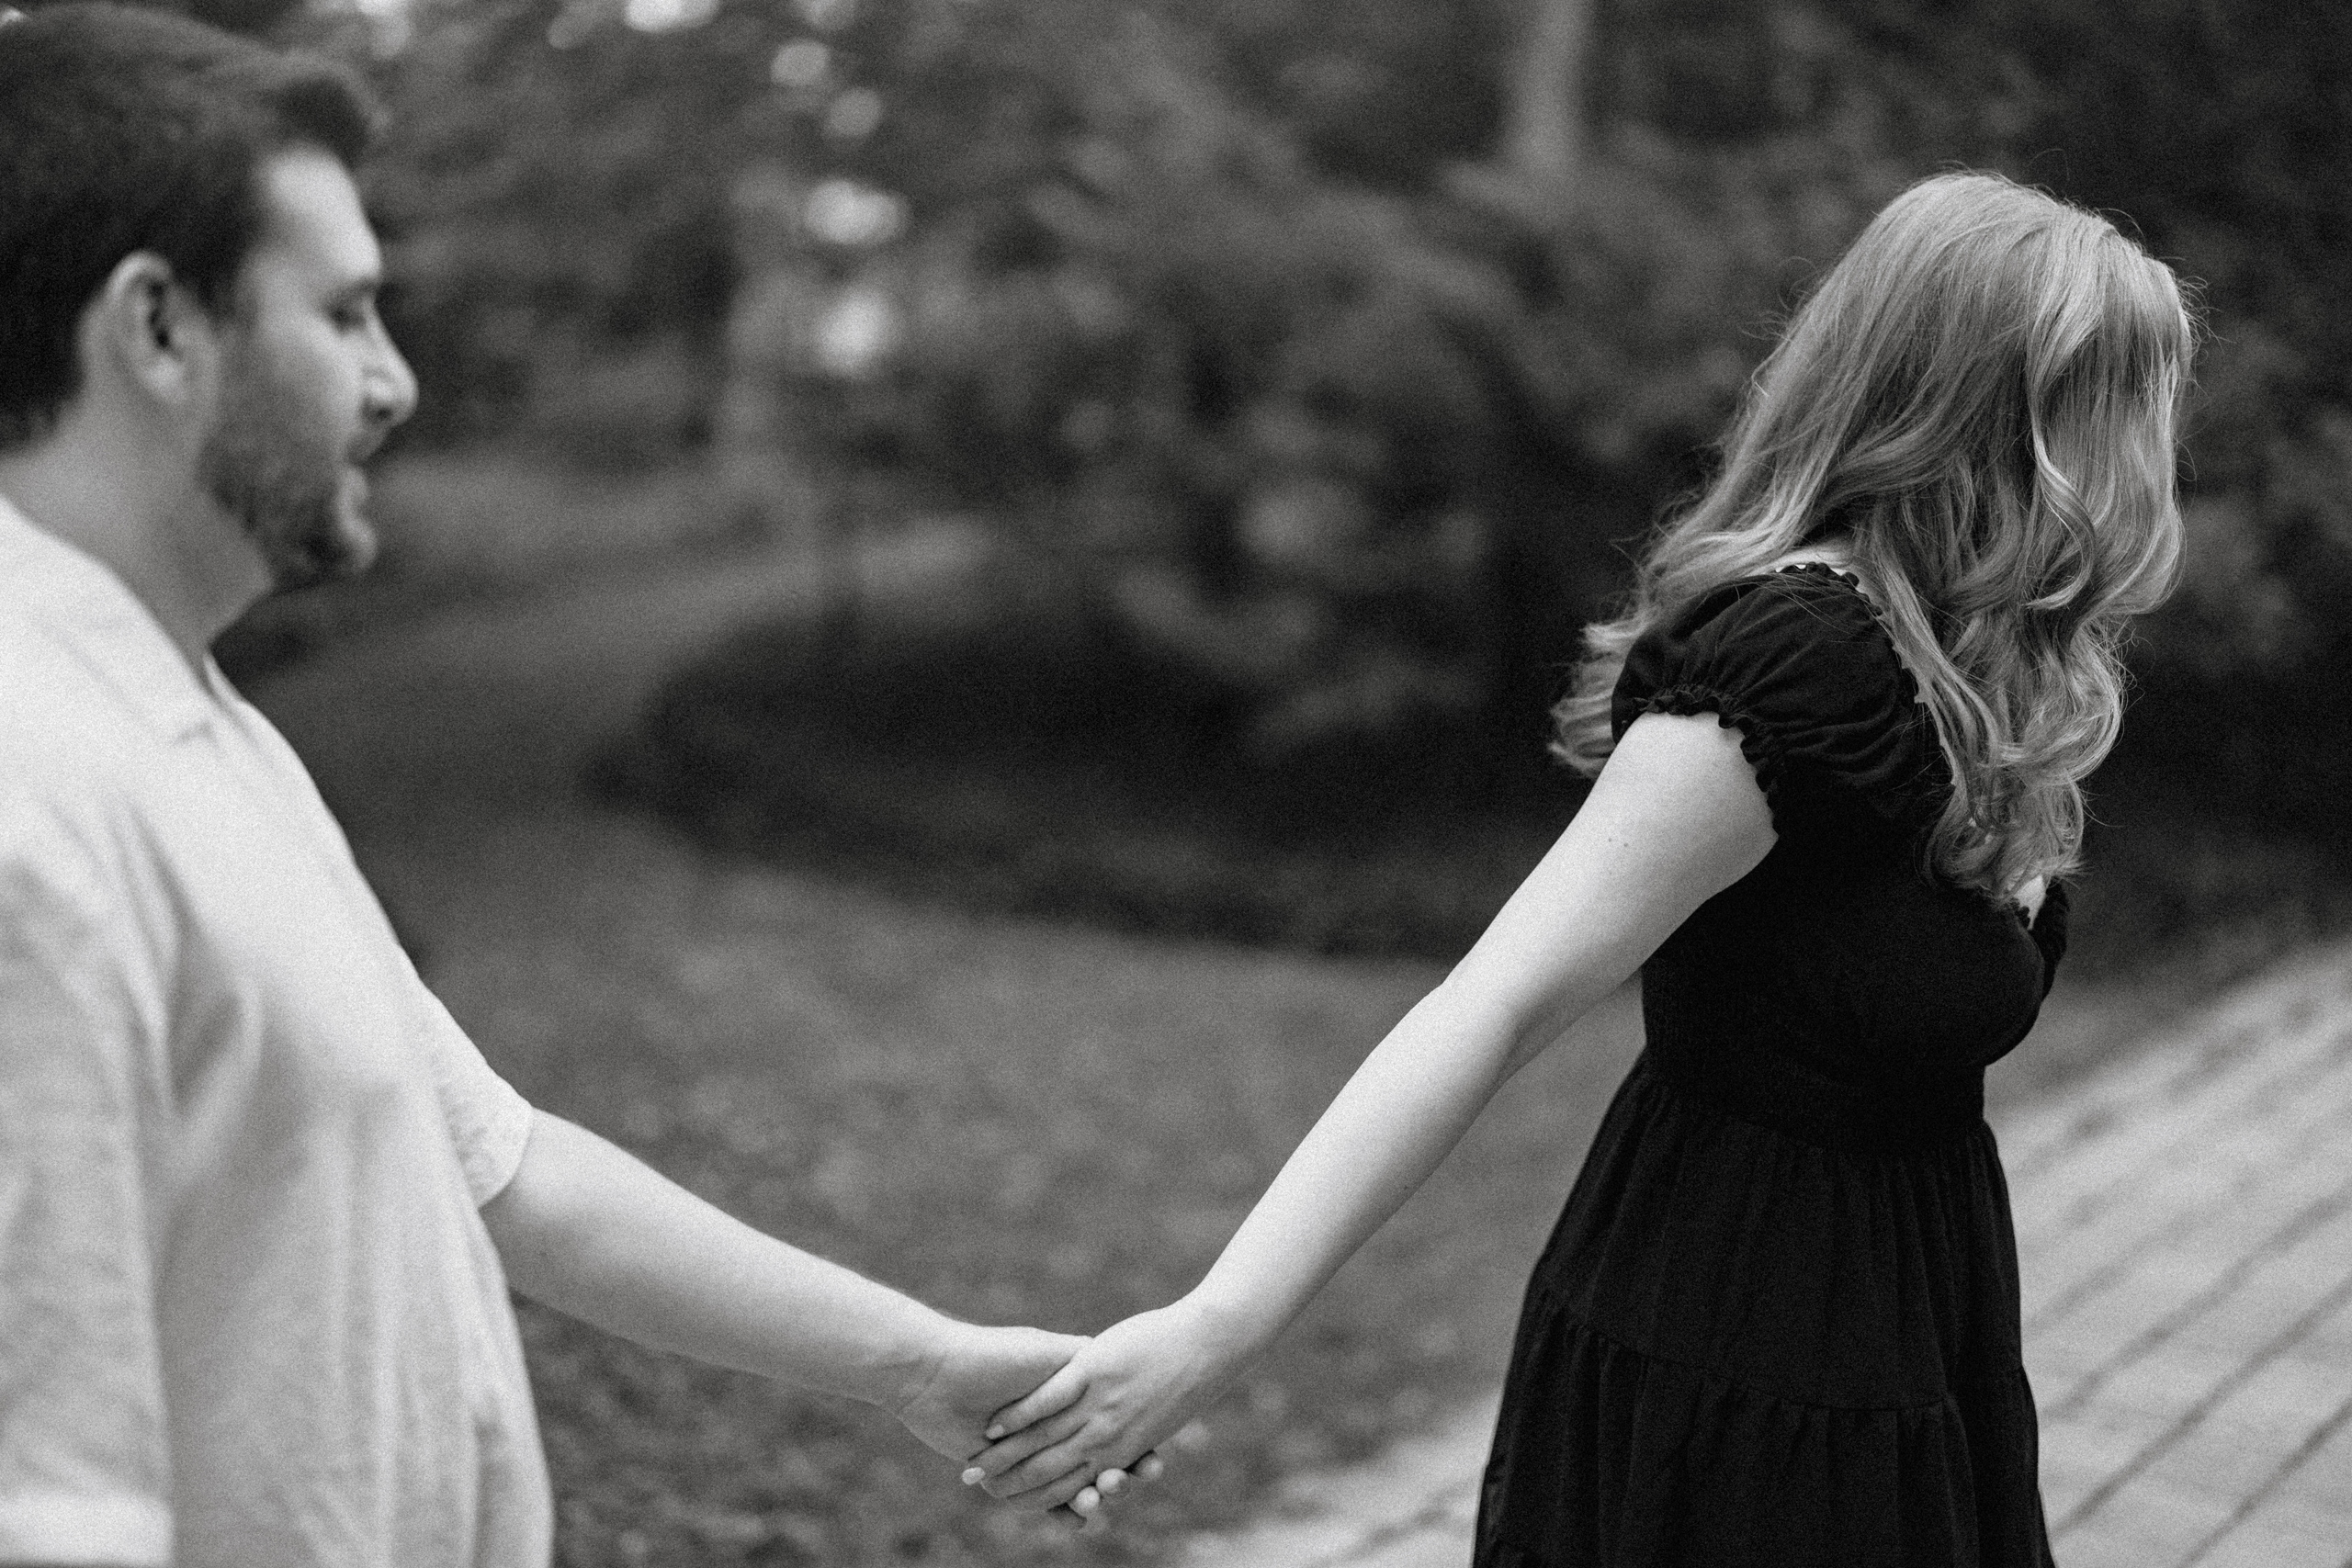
x=261, y=1200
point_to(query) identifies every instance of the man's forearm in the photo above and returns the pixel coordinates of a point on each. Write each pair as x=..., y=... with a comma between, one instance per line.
x=594, y=1232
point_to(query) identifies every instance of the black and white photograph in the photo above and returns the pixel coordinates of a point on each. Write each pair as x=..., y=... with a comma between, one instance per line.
x=1175, y=784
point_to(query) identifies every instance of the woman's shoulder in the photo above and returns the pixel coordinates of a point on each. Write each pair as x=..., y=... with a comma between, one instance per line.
x=1801, y=633
x=1799, y=662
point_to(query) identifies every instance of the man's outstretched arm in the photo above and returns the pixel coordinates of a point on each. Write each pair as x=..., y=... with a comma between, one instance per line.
x=595, y=1232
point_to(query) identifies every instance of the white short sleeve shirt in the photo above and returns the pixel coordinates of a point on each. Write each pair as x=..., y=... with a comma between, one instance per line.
x=249, y=1314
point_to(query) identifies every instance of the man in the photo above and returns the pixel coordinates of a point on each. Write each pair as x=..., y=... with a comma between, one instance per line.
x=260, y=1198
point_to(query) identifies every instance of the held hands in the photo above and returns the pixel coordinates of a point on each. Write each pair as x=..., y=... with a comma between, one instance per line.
x=973, y=1372
x=1104, y=1411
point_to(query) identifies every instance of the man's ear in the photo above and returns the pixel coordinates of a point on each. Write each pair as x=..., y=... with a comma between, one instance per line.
x=147, y=330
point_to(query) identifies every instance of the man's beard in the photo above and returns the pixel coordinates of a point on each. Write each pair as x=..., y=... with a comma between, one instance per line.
x=296, y=495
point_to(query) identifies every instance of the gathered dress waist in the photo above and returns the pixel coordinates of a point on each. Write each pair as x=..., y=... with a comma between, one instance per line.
x=1753, y=1082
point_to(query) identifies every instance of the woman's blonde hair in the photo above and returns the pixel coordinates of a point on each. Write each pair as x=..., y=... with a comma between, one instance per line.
x=1976, y=405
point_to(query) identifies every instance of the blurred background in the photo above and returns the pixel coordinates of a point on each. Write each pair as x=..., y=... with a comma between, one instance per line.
x=970, y=608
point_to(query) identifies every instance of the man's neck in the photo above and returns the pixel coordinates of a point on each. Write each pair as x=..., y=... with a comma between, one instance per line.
x=170, y=548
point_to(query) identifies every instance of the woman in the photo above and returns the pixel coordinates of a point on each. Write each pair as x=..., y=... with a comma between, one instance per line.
x=1839, y=738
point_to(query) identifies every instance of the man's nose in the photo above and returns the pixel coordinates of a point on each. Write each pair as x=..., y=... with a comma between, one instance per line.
x=391, y=385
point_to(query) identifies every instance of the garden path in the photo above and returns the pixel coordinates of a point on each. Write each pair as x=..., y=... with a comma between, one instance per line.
x=546, y=677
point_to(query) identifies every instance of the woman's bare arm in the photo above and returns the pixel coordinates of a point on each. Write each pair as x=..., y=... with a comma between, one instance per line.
x=1675, y=818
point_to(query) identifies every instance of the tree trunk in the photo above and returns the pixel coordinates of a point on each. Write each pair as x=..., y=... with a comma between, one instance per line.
x=1543, y=91
x=763, y=464
x=769, y=324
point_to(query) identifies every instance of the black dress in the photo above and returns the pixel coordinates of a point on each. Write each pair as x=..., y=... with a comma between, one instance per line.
x=1778, y=1321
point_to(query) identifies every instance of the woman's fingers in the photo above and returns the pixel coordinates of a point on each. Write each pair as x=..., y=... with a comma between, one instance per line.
x=1056, y=1395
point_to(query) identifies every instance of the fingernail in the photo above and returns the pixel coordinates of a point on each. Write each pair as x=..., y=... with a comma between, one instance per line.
x=975, y=1476
x=993, y=1433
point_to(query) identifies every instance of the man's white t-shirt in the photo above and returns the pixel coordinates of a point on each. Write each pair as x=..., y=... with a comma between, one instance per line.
x=249, y=1314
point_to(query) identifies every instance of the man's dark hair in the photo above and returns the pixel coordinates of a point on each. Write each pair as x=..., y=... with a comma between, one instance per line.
x=125, y=130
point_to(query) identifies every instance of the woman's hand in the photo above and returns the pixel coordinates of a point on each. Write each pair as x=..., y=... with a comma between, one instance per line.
x=1107, y=1409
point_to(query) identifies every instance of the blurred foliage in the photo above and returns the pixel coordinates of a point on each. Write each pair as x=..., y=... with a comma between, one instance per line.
x=1238, y=296
x=1220, y=308
x=1247, y=328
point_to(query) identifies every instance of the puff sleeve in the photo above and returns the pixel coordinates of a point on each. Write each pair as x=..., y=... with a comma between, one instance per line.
x=1797, y=662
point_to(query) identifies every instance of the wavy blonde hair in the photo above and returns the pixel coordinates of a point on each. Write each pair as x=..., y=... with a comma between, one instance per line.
x=1977, y=409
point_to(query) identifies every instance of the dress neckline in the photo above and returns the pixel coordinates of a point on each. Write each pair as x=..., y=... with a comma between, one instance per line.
x=1823, y=568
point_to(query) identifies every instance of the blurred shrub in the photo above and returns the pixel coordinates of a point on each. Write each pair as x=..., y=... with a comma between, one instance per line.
x=639, y=409
x=989, y=766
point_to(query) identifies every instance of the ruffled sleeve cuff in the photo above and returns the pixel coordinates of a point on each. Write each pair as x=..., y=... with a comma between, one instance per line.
x=1760, y=742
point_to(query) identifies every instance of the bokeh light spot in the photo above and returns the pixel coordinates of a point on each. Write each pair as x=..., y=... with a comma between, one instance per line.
x=854, y=116
x=802, y=64
x=826, y=15
x=857, y=332
x=668, y=16
x=844, y=212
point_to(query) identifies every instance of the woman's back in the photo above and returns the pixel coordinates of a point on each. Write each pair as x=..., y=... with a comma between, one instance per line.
x=1842, y=952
